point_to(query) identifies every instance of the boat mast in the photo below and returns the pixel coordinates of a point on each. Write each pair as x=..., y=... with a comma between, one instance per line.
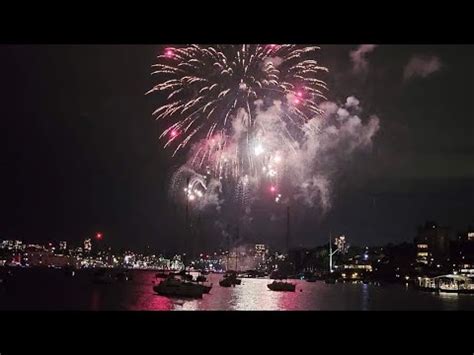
x=330, y=253
x=187, y=229
x=288, y=230
x=235, y=247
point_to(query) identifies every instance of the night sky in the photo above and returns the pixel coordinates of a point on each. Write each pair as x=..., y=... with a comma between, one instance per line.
x=80, y=150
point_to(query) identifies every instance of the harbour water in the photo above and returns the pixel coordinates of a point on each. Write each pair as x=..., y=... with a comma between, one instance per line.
x=51, y=289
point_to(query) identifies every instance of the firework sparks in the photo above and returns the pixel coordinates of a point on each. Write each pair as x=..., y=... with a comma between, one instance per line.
x=251, y=116
x=213, y=92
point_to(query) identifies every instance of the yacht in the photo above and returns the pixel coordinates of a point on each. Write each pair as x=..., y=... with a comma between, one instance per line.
x=177, y=288
x=282, y=286
x=446, y=283
x=230, y=279
x=201, y=278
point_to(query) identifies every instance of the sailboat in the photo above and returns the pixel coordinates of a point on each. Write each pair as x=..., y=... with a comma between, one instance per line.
x=230, y=277
x=279, y=285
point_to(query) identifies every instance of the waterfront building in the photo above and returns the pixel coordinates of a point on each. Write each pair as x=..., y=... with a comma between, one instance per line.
x=261, y=250
x=462, y=249
x=12, y=245
x=63, y=246
x=87, y=245
x=432, y=244
x=40, y=257
x=245, y=257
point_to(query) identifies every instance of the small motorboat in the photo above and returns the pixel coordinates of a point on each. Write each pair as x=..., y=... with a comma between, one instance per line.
x=226, y=282
x=233, y=276
x=205, y=288
x=185, y=276
x=176, y=288
x=201, y=278
x=282, y=286
x=230, y=279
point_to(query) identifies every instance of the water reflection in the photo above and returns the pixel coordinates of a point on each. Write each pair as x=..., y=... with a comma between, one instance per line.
x=255, y=296
x=143, y=296
x=55, y=292
x=450, y=300
x=95, y=300
x=365, y=297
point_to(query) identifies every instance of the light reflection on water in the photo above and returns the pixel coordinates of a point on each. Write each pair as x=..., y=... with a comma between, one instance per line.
x=56, y=292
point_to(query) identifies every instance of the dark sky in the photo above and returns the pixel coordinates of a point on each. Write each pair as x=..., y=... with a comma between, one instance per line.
x=80, y=150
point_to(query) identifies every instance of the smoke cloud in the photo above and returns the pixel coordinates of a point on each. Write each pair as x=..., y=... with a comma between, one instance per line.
x=358, y=57
x=421, y=67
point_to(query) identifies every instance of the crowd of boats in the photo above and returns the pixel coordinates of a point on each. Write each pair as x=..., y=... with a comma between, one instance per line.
x=184, y=284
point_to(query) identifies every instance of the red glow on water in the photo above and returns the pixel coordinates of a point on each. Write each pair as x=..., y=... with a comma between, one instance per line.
x=272, y=188
x=169, y=53
x=173, y=133
x=297, y=101
x=98, y=236
x=299, y=94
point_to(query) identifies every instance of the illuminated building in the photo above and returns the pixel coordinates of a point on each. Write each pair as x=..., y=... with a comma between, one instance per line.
x=87, y=246
x=38, y=256
x=12, y=245
x=462, y=250
x=245, y=257
x=432, y=243
x=365, y=267
x=62, y=245
x=470, y=236
x=261, y=250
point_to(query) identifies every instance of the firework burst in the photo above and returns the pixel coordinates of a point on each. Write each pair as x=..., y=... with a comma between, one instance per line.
x=212, y=94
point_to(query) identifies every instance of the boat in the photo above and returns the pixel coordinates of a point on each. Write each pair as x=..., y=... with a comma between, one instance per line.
x=226, y=282
x=185, y=276
x=330, y=280
x=308, y=276
x=201, y=278
x=176, y=288
x=230, y=279
x=102, y=277
x=282, y=286
x=446, y=284
x=205, y=288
